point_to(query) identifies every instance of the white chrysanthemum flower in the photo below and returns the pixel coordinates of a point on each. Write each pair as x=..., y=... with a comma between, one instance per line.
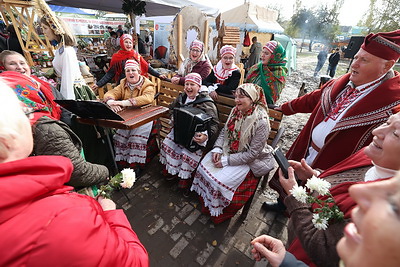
x=128, y=178
x=299, y=193
x=320, y=223
x=319, y=185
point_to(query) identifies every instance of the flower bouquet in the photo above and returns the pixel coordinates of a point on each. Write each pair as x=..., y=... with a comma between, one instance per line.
x=125, y=179
x=327, y=209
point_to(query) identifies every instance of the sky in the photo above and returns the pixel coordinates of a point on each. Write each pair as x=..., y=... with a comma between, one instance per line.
x=351, y=11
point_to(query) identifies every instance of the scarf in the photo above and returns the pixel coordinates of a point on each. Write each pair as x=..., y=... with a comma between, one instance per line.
x=240, y=127
x=221, y=73
x=34, y=93
x=119, y=58
x=270, y=77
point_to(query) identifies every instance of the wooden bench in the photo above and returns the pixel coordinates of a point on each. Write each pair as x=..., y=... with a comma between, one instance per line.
x=168, y=92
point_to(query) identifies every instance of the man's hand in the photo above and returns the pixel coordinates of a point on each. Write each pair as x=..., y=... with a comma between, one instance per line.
x=270, y=248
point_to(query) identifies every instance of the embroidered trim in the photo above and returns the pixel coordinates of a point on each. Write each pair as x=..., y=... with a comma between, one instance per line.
x=387, y=43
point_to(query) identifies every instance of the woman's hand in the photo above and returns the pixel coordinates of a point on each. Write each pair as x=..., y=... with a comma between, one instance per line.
x=214, y=95
x=175, y=80
x=216, y=157
x=114, y=105
x=302, y=169
x=287, y=184
x=199, y=138
x=106, y=204
x=270, y=248
x=94, y=87
x=163, y=77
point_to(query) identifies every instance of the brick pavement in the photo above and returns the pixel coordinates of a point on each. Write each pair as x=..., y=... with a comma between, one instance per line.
x=175, y=233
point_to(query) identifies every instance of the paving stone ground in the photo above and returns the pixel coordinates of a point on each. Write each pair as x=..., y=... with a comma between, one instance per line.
x=176, y=233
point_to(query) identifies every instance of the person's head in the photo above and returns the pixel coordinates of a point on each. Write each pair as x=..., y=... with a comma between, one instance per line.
x=337, y=49
x=119, y=27
x=113, y=34
x=273, y=53
x=28, y=91
x=246, y=95
x=227, y=56
x=196, y=50
x=11, y=30
x=16, y=140
x=373, y=239
x=14, y=61
x=192, y=84
x=126, y=42
x=254, y=39
x=377, y=55
x=132, y=71
x=56, y=29
x=110, y=29
x=384, y=149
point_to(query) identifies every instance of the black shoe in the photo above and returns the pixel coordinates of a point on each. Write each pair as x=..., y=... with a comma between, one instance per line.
x=186, y=193
x=138, y=172
x=274, y=206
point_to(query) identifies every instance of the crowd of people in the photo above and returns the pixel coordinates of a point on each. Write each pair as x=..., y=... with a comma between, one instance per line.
x=351, y=140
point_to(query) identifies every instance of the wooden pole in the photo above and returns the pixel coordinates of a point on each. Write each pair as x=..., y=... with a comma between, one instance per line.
x=205, y=39
x=179, y=48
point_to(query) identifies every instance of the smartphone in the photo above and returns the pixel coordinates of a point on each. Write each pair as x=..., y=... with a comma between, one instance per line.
x=282, y=161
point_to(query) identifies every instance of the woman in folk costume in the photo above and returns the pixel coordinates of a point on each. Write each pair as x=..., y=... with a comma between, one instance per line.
x=196, y=62
x=72, y=84
x=225, y=76
x=270, y=73
x=65, y=62
x=137, y=146
x=116, y=70
x=227, y=176
x=178, y=161
x=51, y=136
x=376, y=162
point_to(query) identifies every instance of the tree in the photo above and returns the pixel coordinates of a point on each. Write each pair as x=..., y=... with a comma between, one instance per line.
x=320, y=24
x=133, y=8
x=382, y=16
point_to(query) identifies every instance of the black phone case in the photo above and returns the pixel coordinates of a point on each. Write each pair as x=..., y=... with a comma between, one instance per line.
x=282, y=161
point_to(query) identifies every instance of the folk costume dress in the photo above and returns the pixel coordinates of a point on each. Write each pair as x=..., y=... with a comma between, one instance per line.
x=66, y=66
x=352, y=131
x=223, y=80
x=201, y=66
x=137, y=146
x=176, y=158
x=117, y=64
x=271, y=77
x=318, y=247
x=243, y=144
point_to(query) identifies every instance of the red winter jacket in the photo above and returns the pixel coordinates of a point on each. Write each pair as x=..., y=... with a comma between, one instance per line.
x=42, y=223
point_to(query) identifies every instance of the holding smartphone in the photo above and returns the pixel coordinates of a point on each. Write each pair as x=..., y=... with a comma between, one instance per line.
x=282, y=161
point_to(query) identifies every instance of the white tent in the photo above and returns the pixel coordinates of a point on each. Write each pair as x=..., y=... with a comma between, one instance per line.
x=153, y=7
x=252, y=17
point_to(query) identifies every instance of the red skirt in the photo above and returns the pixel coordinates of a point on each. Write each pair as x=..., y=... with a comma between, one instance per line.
x=245, y=190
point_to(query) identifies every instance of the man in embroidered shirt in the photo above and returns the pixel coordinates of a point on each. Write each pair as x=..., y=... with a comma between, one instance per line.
x=343, y=118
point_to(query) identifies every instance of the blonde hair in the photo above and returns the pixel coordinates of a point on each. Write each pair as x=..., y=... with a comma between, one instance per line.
x=10, y=118
x=5, y=54
x=68, y=36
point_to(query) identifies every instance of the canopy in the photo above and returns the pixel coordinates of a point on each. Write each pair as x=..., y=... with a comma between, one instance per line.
x=65, y=9
x=254, y=18
x=153, y=7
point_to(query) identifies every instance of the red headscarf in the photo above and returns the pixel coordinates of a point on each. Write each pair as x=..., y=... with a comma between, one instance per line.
x=34, y=93
x=119, y=58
